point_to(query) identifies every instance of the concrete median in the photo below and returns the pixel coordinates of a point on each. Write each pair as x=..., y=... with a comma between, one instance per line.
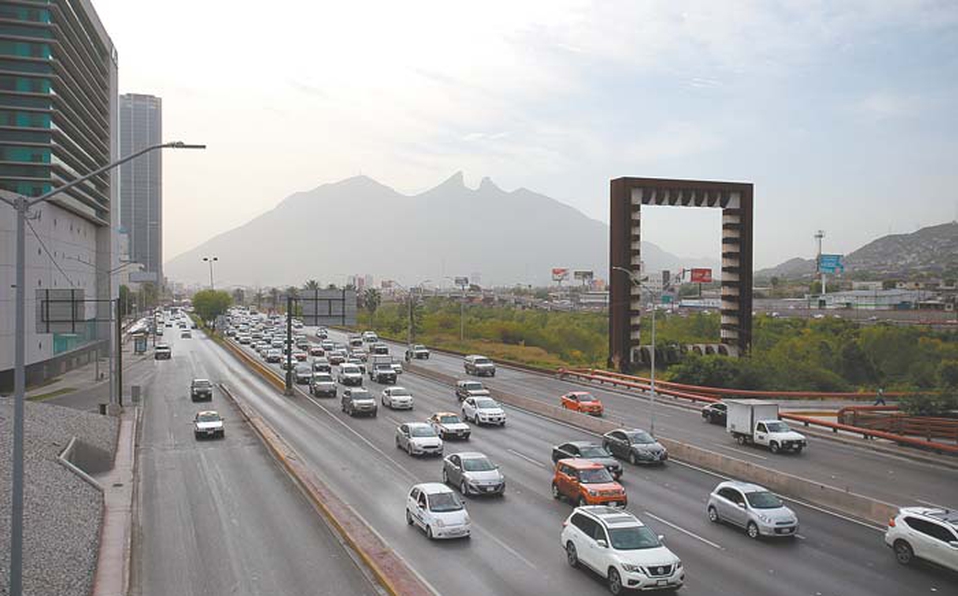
x=832, y=498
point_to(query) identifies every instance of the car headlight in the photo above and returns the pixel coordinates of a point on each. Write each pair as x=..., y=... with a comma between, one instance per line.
x=631, y=568
x=440, y=523
x=765, y=518
x=591, y=492
x=678, y=564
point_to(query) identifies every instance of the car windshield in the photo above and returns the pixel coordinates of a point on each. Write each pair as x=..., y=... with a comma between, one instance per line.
x=763, y=500
x=450, y=419
x=419, y=347
x=361, y=394
x=322, y=378
x=584, y=397
x=777, y=427
x=301, y=369
x=477, y=464
x=486, y=404
x=398, y=392
x=208, y=418
x=641, y=437
x=421, y=431
x=201, y=383
x=634, y=538
x=473, y=386
x=350, y=370
x=443, y=502
x=483, y=361
x=593, y=451
x=594, y=476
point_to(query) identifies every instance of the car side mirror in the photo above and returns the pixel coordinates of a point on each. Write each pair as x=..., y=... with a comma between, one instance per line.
x=602, y=544
x=661, y=538
x=742, y=505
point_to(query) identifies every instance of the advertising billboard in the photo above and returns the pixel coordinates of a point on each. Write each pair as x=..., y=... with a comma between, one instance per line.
x=830, y=264
x=701, y=276
x=462, y=281
x=560, y=273
x=583, y=275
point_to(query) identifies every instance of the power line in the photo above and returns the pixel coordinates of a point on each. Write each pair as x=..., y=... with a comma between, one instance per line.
x=52, y=260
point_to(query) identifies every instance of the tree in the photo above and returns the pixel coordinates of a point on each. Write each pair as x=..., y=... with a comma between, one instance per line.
x=209, y=304
x=371, y=300
x=258, y=298
x=125, y=301
x=274, y=298
x=948, y=375
x=239, y=296
x=312, y=285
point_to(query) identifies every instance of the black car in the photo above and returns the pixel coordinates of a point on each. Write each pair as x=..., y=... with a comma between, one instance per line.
x=201, y=390
x=715, y=412
x=590, y=451
x=635, y=445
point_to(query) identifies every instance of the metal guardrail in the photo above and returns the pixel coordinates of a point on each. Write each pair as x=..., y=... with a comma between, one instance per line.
x=890, y=419
x=665, y=388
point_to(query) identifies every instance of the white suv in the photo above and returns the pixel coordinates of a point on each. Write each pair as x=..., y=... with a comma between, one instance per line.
x=927, y=533
x=620, y=548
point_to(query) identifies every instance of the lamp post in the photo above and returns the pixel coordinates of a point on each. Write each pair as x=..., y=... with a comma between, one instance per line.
x=637, y=281
x=211, y=260
x=22, y=206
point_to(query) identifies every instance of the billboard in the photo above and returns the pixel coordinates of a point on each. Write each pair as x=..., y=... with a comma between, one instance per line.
x=583, y=275
x=830, y=264
x=328, y=307
x=61, y=311
x=560, y=273
x=701, y=276
x=462, y=281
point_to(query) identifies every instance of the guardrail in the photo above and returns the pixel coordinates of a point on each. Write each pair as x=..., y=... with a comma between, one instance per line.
x=890, y=419
x=641, y=384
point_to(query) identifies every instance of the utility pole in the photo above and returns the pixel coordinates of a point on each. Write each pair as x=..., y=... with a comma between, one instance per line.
x=289, y=346
x=819, y=235
x=119, y=355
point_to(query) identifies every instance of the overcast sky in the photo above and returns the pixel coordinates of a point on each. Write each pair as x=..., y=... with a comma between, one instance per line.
x=842, y=113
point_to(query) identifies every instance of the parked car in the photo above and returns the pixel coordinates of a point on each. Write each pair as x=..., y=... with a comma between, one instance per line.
x=438, y=511
x=162, y=352
x=479, y=366
x=473, y=474
x=302, y=374
x=418, y=438
x=635, y=445
x=350, y=374
x=397, y=398
x=208, y=423
x=417, y=352
x=585, y=482
x=449, y=426
x=715, y=413
x=582, y=401
x=620, y=548
x=201, y=390
x=483, y=410
x=466, y=389
x=928, y=533
x=590, y=451
x=358, y=401
x=322, y=385
x=753, y=508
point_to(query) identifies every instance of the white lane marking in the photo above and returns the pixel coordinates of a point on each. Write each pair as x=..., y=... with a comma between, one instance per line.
x=686, y=532
x=929, y=503
x=800, y=537
x=395, y=421
x=499, y=541
x=742, y=451
x=527, y=458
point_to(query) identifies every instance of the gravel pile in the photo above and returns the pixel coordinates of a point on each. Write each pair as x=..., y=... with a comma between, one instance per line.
x=63, y=513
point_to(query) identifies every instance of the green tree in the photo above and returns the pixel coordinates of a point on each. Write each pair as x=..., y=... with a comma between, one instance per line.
x=371, y=300
x=209, y=304
x=948, y=375
x=126, y=301
x=312, y=285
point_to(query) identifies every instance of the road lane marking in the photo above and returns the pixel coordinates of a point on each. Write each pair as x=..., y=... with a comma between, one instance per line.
x=527, y=458
x=930, y=504
x=742, y=451
x=684, y=531
x=505, y=546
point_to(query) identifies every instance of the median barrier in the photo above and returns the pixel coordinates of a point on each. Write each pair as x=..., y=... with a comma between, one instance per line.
x=835, y=499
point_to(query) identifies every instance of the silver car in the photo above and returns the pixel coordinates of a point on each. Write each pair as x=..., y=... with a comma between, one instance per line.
x=473, y=474
x=752, y=507
x=418, y=438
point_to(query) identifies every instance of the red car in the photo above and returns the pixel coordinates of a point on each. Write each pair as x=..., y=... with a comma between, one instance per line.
x=582, y=401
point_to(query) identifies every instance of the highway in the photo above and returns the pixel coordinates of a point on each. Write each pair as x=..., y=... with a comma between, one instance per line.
x=515, y=549
x=897, y=480
x=220, y=516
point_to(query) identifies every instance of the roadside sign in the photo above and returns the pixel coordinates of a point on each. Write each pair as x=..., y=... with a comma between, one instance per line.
x=831, y=264
x=701, y=276
x=559, y=273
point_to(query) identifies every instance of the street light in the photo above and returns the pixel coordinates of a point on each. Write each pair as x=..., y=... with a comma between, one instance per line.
x=211, y=260
x=22, y=206
x=638, y=283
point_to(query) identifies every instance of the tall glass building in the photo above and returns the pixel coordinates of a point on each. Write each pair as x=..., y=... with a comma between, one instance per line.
x=141, y=182
x=58, y=114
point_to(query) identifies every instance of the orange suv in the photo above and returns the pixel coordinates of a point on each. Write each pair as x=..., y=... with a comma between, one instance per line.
x=586, y=483
x=582, y=401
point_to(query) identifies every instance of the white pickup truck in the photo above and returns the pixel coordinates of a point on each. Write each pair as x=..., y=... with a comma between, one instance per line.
x=756, y=421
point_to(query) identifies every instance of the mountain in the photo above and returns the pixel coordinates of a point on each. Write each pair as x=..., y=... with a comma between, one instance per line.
x=359, y=226
x=932, y=250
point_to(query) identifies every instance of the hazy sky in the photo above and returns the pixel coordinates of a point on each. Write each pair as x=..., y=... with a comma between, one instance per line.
x=842, y=113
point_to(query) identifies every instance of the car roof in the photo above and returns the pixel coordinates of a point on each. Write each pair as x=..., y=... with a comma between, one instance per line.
x=444, y=414
x=432, y=488
x=582, y=443
x=745, y=487
x=949, y=516
x=578, y=393
x=611, y=516
x=394, y=387
x=580, y=464
x=471, y=455
x=417, y=424
x=207, y=413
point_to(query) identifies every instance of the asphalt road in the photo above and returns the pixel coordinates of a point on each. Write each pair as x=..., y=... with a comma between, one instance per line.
x=515, y=547
x=219, y=516
x=897, y=480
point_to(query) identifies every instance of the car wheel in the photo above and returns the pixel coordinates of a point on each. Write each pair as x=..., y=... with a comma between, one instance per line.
x=752, y=530
x=408, y=449
x=632, y=459
x=429, y=532
x=571, y=556
x=773, y=447
x=741, y=440
x=408, y=518
x=555, y=492
x=903, y=552
x=463, y=488
x=615, y=582
x=798, y=450
x=713, y=515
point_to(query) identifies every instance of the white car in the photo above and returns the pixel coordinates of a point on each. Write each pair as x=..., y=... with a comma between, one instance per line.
x=436, y=509
x=350, y=374
x=397, y=398
x=620, y=548
x=418, y=438
x=483, y=410
x=924, y=533
x=449, y=426
x=208, y=423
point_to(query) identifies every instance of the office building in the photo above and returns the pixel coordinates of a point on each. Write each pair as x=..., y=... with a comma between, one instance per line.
x=141, y=182
x=58, y=110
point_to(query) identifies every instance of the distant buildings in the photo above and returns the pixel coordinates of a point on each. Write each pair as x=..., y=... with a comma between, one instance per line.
x=141, y=182
x=58, y=108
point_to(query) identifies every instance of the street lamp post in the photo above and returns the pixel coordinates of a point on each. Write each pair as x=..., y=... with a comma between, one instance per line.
x=21, y=204
x=638, y=282
x=211, y=260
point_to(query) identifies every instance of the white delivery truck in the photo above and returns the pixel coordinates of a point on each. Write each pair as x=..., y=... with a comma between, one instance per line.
x=756, y=421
